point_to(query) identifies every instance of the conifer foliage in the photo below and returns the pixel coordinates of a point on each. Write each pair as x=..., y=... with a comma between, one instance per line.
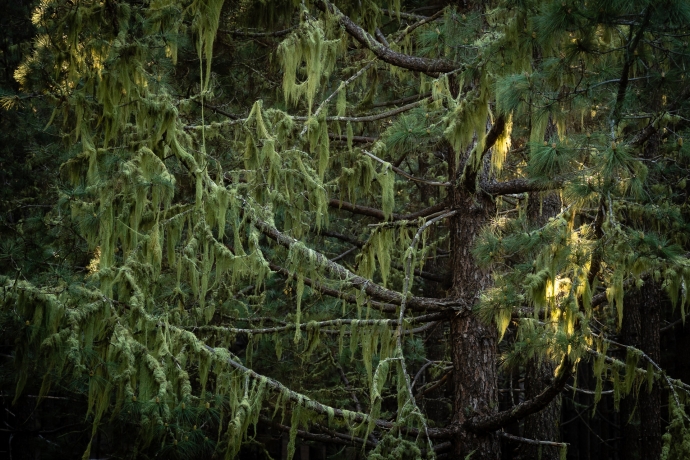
x=266, y=214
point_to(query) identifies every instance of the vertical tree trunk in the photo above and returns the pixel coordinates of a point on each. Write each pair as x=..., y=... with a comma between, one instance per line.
x=543, y=425
x=641, y=322
x=473, y=342
x=642, y=433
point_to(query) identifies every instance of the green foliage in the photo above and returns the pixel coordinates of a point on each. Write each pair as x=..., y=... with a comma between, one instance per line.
x=173, y=246
x=676, y=439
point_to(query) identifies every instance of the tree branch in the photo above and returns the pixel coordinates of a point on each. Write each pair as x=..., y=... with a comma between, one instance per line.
x=439, y=278
x=358, y=209
x=395, y=14
x=331, y=438
x=323, y=409
x=424, y=212
x=653, y=128
x=403, y=100
x=372, y=289
x=359, y=139
x=471, y=168
x=390, y=308
x=361, y=71
x=244, y=33
x=630, y=58
x=405, y=174
x=433, y=385
x=346, y=382
x=533, y=441
x=518, y=186
x=341, y=237
x=377, y=213
x=368, y=118
x=488, y=423
x=384, y=53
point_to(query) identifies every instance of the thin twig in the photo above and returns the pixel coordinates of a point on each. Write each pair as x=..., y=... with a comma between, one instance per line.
x=587, y=392
x=404, y=174
x=244, y=33
x=658, y=368
x=365, y=118
x=345, y=381
x=533, y=441
x=344, y=254
x=420, y=371
x=401, y=317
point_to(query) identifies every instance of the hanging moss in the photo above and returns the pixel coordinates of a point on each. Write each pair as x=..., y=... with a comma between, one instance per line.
x=310, y=46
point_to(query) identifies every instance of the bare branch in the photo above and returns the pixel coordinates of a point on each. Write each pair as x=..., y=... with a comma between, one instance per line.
x=395, y=14
x=588, y=392
x=344, y=254
x=629, y=60
x=674, y=324
x=533, y=441
x=339, y=438
x=341, y=237
x=357, y=209
x=403, y=100
x=381, y=38
x=421, y=371
x=408, y=30
x=346, y=382
x=431, y=387
x=424, y=212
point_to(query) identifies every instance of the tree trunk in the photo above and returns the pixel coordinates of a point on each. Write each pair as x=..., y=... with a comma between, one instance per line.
x=543, y=425
x=641, y=425
x=641, y=418
x=473, y=342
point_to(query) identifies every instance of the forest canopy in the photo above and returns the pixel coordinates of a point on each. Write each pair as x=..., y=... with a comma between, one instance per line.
x=384, y=230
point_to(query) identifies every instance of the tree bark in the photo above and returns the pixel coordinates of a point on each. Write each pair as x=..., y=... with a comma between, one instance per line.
x=641, y=418
x=473, y=342
x=543, y=425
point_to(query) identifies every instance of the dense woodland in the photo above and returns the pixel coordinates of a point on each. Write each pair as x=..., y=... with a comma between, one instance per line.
x=344, y=229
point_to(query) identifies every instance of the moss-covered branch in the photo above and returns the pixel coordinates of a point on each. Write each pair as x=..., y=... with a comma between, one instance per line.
x=374, y=290
x=383, y=52
x=512, y=186
x=323, y=409
x=406, y=175
x=372, y=117
x=377, y=213
x=430, y=320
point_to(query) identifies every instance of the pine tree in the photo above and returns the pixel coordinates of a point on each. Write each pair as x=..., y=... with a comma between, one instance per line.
x=259, y=188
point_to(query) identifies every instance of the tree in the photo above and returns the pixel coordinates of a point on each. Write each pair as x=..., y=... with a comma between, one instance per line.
x=255, y=250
